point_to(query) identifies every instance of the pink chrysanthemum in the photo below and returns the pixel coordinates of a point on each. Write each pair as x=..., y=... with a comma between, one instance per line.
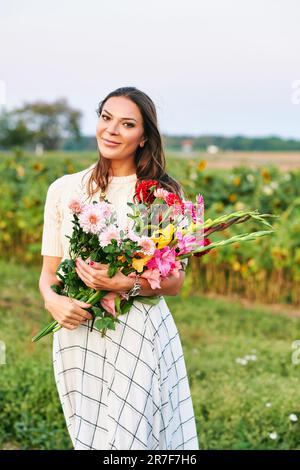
x=107, y=209
x=161, y=193
x=148, y=245
x=108, y=234
x=91, y=219
x=76, y=206
x=132, y=236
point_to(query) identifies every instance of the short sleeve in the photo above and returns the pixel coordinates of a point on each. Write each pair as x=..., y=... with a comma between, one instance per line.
x=51, y=237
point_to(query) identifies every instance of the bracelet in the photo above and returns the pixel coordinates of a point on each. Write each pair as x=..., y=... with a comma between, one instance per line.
x=135, y=290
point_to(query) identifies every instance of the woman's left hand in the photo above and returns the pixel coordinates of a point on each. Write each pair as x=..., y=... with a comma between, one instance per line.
x=96, y=277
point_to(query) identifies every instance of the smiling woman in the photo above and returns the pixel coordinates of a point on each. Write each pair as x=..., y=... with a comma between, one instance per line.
x=128, y=389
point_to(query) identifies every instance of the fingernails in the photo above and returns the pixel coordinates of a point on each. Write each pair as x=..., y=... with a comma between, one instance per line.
x=92, y=263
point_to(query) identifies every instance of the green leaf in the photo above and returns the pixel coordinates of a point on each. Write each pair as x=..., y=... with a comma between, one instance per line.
x=151, y=300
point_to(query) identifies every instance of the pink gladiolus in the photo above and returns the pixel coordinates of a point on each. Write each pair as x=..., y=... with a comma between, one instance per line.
x=175, y=271
x=200, y=199
x=163, y=259
x=190, y=209
x=108, y=302
x=153, y=277
x=185, y=242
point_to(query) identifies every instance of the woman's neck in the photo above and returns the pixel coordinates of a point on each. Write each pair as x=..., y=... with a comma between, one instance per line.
x=121, y=170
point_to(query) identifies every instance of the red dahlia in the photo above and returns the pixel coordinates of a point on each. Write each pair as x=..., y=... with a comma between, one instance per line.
x=144, y=191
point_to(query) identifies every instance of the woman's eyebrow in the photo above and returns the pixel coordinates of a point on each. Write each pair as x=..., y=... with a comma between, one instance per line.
x=131, y=119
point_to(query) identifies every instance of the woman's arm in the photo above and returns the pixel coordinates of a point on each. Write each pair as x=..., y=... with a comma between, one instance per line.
x=48, y=276
x=170, y=285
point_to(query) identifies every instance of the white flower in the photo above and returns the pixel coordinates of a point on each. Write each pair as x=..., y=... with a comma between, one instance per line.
x=250, y=178
x=251, y=357
x=267, y=190
x=268, y=405
x=274, y=185
x=293, y=418
x=273, y=435
x=241, y=360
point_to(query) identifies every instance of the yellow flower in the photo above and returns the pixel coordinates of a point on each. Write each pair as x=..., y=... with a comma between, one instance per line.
x=239, y=206
x=20, y=171
x=163, y=236
x=201, y=165
x=38, y=166
x=236, y=266
x=232, y=197
x=237, y=181
x=265, y=174
x=139, y=263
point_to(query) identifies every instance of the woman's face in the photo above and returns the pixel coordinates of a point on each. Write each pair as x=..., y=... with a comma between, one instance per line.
x=120, y=121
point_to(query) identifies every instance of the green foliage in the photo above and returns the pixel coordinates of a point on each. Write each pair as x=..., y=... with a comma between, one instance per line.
x=40, y=122
x=25, y=180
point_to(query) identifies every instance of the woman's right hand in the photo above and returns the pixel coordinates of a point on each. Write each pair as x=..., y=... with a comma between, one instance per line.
x=67, y=311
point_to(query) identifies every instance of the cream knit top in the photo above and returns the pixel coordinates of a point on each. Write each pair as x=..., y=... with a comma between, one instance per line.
x=58, y=217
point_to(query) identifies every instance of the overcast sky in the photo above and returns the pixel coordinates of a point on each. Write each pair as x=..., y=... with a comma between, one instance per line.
x=215, y=66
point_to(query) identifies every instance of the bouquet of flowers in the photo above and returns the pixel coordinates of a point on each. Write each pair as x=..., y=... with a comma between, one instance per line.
x=165, y=231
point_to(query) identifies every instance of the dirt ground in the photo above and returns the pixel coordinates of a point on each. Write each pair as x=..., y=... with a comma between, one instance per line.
x=284, y=160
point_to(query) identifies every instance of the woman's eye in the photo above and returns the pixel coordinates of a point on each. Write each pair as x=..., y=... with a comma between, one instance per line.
x=128, y=123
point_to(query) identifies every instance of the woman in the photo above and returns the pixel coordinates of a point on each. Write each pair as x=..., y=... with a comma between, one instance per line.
x=129, y=389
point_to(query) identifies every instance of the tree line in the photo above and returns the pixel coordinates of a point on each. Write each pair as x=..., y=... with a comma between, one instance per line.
x=57, y=126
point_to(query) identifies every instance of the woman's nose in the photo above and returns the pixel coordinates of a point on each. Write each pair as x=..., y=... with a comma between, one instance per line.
x=112, y=127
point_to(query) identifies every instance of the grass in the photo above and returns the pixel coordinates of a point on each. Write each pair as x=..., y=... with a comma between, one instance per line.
x=229, y=398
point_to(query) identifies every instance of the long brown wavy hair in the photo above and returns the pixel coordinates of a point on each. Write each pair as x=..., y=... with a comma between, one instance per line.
x=150, y=161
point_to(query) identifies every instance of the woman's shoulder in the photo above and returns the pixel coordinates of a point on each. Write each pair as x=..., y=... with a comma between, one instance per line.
x=69, y=180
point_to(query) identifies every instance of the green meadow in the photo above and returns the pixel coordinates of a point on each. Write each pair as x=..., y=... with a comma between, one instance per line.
x=238, y=403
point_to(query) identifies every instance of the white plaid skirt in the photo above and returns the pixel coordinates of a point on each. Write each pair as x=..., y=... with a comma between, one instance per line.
x=129, y=389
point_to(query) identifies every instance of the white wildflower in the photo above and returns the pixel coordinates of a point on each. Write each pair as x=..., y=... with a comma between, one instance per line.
x=267, y=190
x=273, y=435
x=293, y=418
x=251, y=357
x=274, y=185
x=241, y=360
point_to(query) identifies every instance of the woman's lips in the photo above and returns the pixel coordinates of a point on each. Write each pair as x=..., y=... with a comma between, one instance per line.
x=110, y=144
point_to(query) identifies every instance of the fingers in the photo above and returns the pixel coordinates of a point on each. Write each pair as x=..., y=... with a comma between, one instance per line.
x=81, y=304
x=80, y=311
x=72, y=321
x=76, y=315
